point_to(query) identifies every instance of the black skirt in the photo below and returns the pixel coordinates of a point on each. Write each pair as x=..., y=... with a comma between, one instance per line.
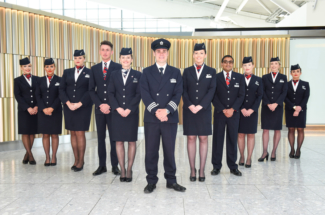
x=50, y=124
x=27, y=124
x=125, y=128
x=248, y=125
x=77, y=120
x=296, y=122
x=197, y=124
x=272, y=120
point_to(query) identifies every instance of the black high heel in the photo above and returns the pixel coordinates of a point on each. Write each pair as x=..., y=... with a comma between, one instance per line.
x=25, y=161
x=76, y=169
x=193, y=178
x=297, y=156
x=273, y=159
x=129, y=179
x=248, y=165
x=47, y=164
x=201, y=179
x=54, y=164
x=240, y=164
x=123, y=179
x=261, y=159
x=33, y=162
x=292, y=155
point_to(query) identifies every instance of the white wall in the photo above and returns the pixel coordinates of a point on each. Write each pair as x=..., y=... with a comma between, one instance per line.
x=310, y=55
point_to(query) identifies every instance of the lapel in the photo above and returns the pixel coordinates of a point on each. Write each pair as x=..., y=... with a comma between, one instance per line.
x=193, y=72
x=299, y=87
x=222, y=79
x=81, y=75
x=252, y=81
x=24, y=81
x=231, y=79
x=203, y=72
x=155, y=73
x=277, y=79
x=130, y=77
x=119, y=76
x=52, y=82
x=290, y=86
x=165, y=77
x=270, y=77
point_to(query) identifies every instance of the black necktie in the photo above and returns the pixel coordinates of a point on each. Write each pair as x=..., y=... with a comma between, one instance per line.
x=161, y=71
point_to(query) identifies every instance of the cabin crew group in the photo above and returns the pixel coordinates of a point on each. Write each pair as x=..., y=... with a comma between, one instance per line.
x=116, y=90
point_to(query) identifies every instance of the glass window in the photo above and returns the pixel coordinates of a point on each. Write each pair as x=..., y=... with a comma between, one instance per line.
x=92, y=14
x=80, y=14
x=11, y=1
x=92, y=5
x=116, y=25
x=22, y=3
x=127, y=24
x=174, y=25
x=151, y=23
x=68, y=4
x=106, y=24
x=115, y=14
x=69, y=13
x=139, y=24
x=128, y=29
x=33, y=4
x=104, y=14
x=151, y=29
x=80, y=4
x=163, y=24
x=57, y=12
x=95, y=21
x=139, y=30
x=45, y=5
x=139, y=16
x=56, y=4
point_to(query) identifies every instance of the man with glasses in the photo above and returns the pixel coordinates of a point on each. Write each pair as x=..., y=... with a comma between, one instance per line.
x=228, y=98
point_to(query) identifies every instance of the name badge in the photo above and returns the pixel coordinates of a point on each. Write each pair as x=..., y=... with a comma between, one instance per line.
x=281, y=81
x=303, y=87
x=258, y=84
x=233, y=78
x=87, y=76
x=172, y=80
x=236, y=85
x=135, y=80
x=208, y=76
x=57, y=84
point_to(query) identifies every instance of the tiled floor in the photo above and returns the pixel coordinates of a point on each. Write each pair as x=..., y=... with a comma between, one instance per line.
x=287, y=186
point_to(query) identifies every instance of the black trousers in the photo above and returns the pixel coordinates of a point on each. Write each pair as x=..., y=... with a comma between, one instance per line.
x=153, y=132
x=101, y=121
x=221, y=122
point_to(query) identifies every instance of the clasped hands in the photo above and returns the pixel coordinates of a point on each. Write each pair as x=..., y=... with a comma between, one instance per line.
x=48, y=111
x=195, y=109
x=33, y=111
x=161, y=114
x=73, y=106
x=297, y=111
x=246, y=112
x=122, y=112
x=273, y=106
x=228, y=112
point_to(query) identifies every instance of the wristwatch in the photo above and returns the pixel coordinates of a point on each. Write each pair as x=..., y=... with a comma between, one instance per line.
x=294, y=107
x=168, y=112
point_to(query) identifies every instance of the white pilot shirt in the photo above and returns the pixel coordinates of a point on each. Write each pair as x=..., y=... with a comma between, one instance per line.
x=162, y=67
x=295, y=86
x=198, y=73
x=76, y=74
x=29, y=81
x=275, y=76
x=126, y=77
x=225, y=74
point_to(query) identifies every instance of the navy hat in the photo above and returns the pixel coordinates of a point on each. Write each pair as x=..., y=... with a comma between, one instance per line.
x=126, y=51
x=79, y=53
x=49, y=61
x=295, y=67
x=199, y=46
x=247, y=60
x=24, y=61
x=160, y=44
x=274, y=59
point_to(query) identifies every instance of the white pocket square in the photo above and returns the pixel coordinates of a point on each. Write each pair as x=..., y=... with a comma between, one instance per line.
x=303, y=87
x=87, y=76
x=281, y=81
x=172, y=80
x=57, y=84
x=257, y=83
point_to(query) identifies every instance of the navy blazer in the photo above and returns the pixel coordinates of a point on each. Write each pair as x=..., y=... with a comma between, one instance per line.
x=253, y=94
x=160, y=92
x=298, y=98
x=229, y=97
x=24, y=93
x=274, y=92
x=199, y=92
x=49, y=96
x=126, y=96
x=75, y=91
x=98, y=86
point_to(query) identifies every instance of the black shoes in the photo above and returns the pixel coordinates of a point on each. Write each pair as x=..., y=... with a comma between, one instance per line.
x=54, y=164
x=149, y=188
x=273, y=159
x=116, y=170
x=100, y=170
x=76, y=169
x=236, y=172
x=73, y=167
x=32, y=162
x=215, y=172
x=176, y=187
x=297, y=156
x=25, y=159
x=292, y=155
x=248, y=165
x=262, y=159
x=239, y=163
x=129, y=179
x=123, y=179
x=201, y=179
x=193, y=178
x=47, y=164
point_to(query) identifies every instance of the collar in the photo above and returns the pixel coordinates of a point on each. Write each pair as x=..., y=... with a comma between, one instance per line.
x=225, y=73
x=108, y=63
x=161, y=66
